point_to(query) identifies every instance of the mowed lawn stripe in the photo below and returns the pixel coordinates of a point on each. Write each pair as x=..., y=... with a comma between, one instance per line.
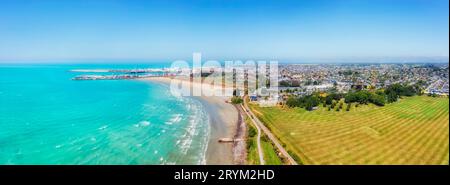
x=402, y=138
x=355, y=134
x=410, y=136
x=432, y=143
x=411, y=131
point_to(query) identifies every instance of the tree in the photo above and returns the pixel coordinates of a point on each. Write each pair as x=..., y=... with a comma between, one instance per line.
x=310, y=101
x=397, y=90
x=377, y=99
x=350, y=97
x=408, y=91
x=359, y=96
x=236, y=100
x=329, y=99
x=380, y=92
x=307, y=102
x=364, y=97
x=285, y=83
x=333, y=104
x=418, y=89
x=292, y=102
x=391, y=97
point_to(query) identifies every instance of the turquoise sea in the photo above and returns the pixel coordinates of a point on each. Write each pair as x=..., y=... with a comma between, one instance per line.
x=47, y=118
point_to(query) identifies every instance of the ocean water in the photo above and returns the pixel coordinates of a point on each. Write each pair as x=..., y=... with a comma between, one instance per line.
x=46, y=118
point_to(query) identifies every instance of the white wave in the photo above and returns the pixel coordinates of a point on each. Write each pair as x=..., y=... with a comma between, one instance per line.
x=144, y=123
x=188, y=106
x=103, y=127
x=192, y=127
x=196, y=133
x=206, y=121
x=175, y=119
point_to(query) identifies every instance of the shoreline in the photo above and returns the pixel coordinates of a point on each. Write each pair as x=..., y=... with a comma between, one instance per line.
x=223, y=120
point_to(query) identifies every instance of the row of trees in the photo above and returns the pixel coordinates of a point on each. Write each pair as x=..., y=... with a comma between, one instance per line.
x=307, y=102
x=365, y=97
x=395, y=91
x=379, y=97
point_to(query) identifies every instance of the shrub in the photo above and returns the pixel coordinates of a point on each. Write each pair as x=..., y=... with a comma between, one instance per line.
x=333, y=104
x=236, y=100
x=250, y=144
x=377, y=99
x=292, y=102
x=391, y=97
x=251, y=132
x=307, y=102
x=364, y=97
x=394, y=91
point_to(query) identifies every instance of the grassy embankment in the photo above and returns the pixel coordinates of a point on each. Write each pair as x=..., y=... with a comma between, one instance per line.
x=270, y=154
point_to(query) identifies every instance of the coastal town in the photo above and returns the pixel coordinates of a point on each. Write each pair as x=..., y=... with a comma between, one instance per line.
x=344, y=77
x=306, y=79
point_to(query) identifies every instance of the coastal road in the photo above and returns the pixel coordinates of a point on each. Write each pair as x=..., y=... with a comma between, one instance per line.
x=269, y=134
x=258, y=139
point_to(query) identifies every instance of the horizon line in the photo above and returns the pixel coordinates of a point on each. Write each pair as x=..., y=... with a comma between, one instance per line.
x=367, y=59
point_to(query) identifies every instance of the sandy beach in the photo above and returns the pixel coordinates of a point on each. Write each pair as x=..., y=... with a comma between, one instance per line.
x=223, y=123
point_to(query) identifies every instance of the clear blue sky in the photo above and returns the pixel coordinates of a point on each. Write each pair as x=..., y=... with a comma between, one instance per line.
x=278, y=29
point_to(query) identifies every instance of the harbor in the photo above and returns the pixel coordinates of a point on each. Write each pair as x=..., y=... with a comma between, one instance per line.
x=118, y=77
x=144, y=70
x=126, y=74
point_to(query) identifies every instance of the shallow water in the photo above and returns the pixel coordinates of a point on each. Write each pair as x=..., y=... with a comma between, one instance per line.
x=46, y=118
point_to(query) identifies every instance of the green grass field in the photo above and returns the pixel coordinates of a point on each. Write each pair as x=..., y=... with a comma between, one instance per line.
x=414, y=130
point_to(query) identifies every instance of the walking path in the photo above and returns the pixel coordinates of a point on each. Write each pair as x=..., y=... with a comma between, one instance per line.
x=269, y=134
x=258, y=139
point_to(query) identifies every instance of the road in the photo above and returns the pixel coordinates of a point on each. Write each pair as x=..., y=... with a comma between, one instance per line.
x=269, y=134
